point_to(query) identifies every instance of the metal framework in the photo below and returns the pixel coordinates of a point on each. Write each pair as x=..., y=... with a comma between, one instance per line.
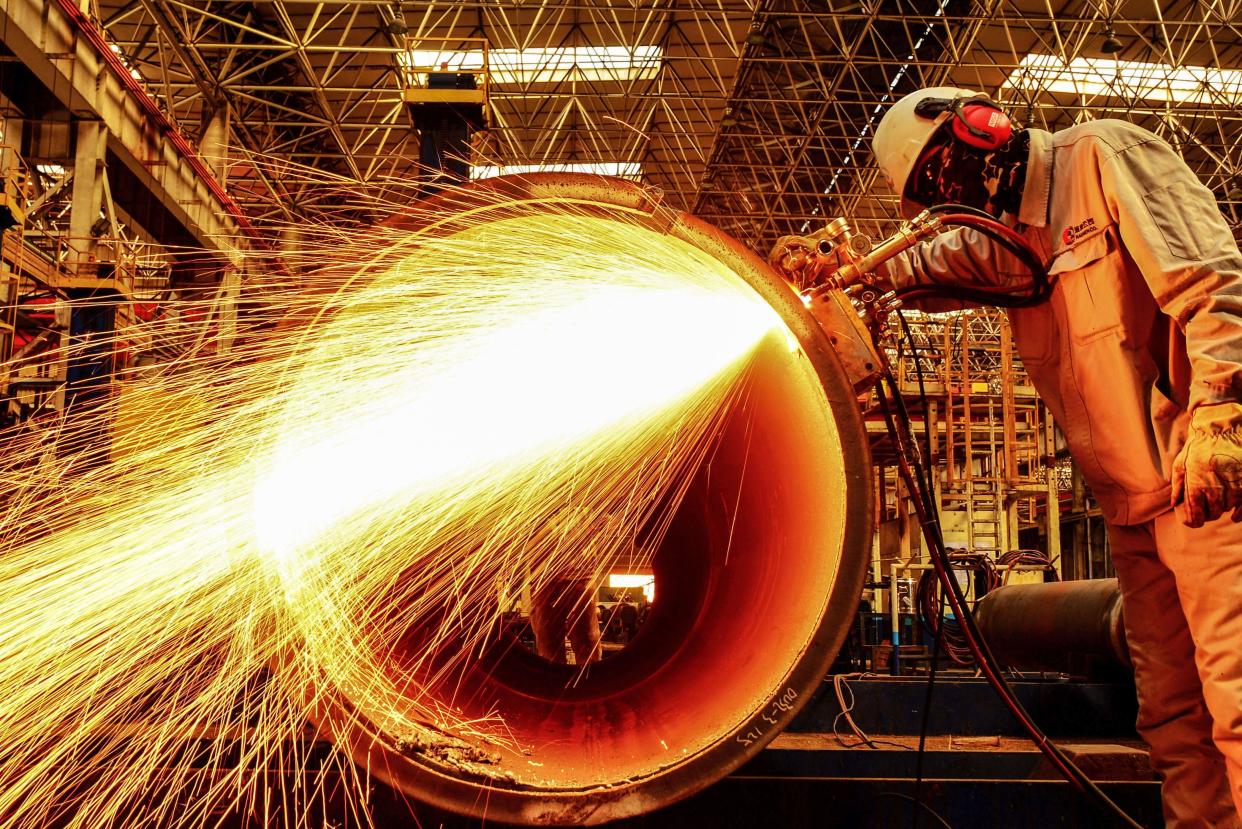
x=312, y=91
x=758, y=118
x=817, y=76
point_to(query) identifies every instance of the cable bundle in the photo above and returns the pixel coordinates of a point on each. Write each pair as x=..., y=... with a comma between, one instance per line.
x=1025, y=558
x=930, y=602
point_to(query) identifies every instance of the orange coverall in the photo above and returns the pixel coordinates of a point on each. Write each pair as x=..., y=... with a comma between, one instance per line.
x=1144, y=326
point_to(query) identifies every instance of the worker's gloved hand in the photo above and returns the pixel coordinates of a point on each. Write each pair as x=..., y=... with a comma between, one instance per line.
x=1207, y=473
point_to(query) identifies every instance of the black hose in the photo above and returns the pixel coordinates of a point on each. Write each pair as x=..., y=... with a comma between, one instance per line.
x=952, y=207
x=987, y=662
x=929, y=461
x=960, y=215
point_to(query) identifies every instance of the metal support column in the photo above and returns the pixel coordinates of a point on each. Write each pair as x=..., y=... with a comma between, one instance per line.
x=1053, y=511
x=291, y=250
x=226, y=311
x=214, y=142
x=88, y=189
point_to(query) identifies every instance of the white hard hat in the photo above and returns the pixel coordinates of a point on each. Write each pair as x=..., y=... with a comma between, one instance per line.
x=901, y=136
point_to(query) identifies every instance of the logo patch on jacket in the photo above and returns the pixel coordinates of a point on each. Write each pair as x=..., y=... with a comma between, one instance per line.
x=1073, y=233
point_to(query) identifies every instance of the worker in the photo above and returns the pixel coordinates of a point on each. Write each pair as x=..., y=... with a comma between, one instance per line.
x=563, y=603
x=629, y=619
x=565, y=607
x=1138, y=354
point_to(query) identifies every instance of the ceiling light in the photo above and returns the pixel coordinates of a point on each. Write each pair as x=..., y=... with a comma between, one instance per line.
x=621, y=169
x=553, y=65
x=1108, y=77
x=1112, y=44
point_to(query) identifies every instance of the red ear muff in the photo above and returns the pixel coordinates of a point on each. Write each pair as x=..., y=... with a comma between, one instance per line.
x=982, y=124
x=976, y=120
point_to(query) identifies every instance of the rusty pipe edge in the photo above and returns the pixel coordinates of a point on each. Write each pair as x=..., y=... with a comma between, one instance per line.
x=511, y=196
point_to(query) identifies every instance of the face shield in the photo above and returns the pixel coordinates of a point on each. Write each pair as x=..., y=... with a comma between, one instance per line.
x=948, y=172
x=952, y=172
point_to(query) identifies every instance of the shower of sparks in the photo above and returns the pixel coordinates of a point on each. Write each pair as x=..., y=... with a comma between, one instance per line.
x=385, y=450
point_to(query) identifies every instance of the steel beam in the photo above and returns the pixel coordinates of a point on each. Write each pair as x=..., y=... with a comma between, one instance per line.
x=52, y=44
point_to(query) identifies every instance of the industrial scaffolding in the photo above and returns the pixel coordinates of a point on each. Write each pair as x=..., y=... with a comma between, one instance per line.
x=1002, y=473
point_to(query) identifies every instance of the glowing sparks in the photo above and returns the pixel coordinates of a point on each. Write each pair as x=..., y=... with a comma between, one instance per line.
x=506, y=397
x=342, y=496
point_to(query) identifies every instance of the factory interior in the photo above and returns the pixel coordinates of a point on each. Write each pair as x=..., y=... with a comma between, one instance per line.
x=675, y=472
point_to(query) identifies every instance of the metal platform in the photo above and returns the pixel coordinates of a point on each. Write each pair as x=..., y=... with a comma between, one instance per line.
x=977, y=773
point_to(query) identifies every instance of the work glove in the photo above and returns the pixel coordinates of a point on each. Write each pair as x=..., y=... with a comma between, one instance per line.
x=1207, y=473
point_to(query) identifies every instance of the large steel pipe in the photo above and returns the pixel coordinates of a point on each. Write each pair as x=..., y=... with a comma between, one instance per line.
x=1055, y=626
x=758, y=582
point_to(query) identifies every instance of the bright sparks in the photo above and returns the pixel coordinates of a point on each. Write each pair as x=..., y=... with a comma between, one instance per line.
x=504, y=396
x=335, y=504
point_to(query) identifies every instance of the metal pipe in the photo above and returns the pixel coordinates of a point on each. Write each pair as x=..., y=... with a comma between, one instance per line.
x=894, y=593
x=1057, y=626
x=758, y=582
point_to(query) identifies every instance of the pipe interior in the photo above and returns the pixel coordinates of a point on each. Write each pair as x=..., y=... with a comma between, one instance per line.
x=743, y=579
